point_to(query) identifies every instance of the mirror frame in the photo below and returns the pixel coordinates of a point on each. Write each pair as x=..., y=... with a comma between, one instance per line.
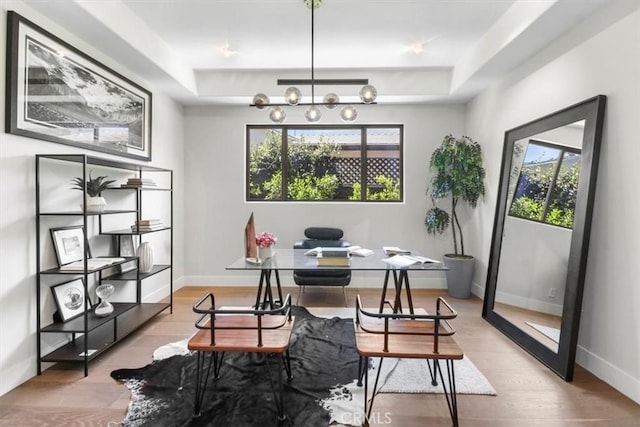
x=592, y=112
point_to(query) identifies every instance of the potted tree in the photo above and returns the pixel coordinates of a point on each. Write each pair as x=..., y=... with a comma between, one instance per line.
x=93, y=187
x=459, y=176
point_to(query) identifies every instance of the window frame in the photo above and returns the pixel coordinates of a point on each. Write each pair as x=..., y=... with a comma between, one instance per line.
x=363, y=159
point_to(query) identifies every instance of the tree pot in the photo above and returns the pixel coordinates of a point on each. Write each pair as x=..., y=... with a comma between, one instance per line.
x=459, y=274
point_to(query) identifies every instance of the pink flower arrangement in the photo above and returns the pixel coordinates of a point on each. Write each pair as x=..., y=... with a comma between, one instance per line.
x=266, y=239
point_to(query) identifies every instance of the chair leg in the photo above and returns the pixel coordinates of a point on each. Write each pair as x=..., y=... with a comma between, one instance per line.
x=278, y=396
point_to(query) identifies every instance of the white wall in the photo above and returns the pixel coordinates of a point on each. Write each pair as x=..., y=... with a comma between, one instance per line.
x=600, y=56
x=17, y=209
x=217, y=213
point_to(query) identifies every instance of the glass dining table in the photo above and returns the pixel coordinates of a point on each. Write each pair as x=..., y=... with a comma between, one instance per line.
x=295, y=259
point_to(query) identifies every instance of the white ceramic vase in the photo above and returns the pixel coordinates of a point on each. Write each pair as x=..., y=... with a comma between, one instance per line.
x=95, y=204
x=145, y=257
x=265, y=252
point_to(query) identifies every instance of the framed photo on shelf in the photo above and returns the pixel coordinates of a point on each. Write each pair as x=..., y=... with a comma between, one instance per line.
x=126, y=249
x=69, y=244
x=70, y=299
x=90, y=105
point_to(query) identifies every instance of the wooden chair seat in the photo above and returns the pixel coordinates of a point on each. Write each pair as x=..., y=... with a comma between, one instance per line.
x=240, y=330
x=418, y=336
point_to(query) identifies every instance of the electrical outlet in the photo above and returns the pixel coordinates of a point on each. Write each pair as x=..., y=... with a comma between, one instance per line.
x=552, y=292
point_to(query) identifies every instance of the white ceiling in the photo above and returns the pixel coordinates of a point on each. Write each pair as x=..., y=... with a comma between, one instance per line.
x=179, y=45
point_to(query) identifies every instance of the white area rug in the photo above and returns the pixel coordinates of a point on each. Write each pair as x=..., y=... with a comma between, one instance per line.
x=549, y=332
x=412, y=376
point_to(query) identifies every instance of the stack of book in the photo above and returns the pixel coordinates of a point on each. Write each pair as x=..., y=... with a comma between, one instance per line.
x=139, y=182
x=334, y=257
x=147, y=225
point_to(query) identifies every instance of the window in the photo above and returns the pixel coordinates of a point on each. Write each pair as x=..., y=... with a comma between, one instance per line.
x=324, y=163
x=547, y=185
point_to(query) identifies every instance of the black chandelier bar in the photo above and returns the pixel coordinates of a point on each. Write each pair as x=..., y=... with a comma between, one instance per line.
x=322, y=82
x=284, y=104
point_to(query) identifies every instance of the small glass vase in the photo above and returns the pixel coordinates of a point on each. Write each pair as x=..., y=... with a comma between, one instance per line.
x=104, y=292
x=265, y=252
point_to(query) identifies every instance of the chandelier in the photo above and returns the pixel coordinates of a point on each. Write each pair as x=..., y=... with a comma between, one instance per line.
x=293, y=95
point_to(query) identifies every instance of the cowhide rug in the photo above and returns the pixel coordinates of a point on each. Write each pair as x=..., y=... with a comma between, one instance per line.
x=324, y=365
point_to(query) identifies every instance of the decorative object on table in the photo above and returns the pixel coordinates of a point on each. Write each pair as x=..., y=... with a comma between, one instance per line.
x=69, y=244
x=250, y=245
x=126, y=249
x=91, y=106
x=104, y=292
x=70, y=299
x=333, y=257
x=459, y=177
x=265, y=242
x=94, y=188
x=145, y=257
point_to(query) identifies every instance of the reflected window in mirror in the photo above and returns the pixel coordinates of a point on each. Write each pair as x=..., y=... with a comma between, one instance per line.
x=547, y=184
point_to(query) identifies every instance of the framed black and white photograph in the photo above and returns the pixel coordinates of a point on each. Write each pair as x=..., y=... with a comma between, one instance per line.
x=127, y=249
x=70, y=299
x=69, y=243
x=58, y=93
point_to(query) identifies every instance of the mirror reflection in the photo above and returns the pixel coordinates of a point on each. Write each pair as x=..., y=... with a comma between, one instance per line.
x=536, y=238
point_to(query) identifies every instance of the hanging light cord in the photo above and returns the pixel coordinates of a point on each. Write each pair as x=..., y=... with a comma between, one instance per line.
x=313, y=77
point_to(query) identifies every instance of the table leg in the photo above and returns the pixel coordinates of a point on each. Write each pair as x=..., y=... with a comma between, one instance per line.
x=268, y=296
x=280, y=300
x=263, y=276
x=404, y=277
x=397, y=305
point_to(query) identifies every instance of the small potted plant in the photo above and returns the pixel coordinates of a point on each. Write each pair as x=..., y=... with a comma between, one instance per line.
x=459, y=176
x=265, y=242
x=93, y=187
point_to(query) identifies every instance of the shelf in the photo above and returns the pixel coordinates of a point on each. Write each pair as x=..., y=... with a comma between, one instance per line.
x=100, y=340
x=133, y=274
x=128, y=231
x=133, y=187
x=76, y=325
x=98, y=161
x=77, y=272
x=80, y=213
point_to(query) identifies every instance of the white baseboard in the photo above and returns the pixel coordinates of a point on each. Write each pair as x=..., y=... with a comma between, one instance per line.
x=250, y=279
x=612, y=375
x=17, y=373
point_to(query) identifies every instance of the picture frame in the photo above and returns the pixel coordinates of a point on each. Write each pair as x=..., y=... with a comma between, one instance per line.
x=126, y=249
x=70, y=299
x=90, y=105
x=69, y=244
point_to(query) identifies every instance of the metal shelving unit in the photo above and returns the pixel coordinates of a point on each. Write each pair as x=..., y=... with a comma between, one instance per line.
x=88, y=335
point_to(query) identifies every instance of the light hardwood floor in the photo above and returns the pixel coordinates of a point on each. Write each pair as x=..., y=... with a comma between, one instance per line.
x=529, y=394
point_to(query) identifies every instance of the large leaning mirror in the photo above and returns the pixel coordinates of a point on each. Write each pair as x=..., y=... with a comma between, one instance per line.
x=541, y=232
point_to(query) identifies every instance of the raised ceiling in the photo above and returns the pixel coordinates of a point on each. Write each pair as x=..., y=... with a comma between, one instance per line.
x=224, y=51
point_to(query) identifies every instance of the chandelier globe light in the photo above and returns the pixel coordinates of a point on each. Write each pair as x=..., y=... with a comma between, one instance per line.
x=293, y=96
